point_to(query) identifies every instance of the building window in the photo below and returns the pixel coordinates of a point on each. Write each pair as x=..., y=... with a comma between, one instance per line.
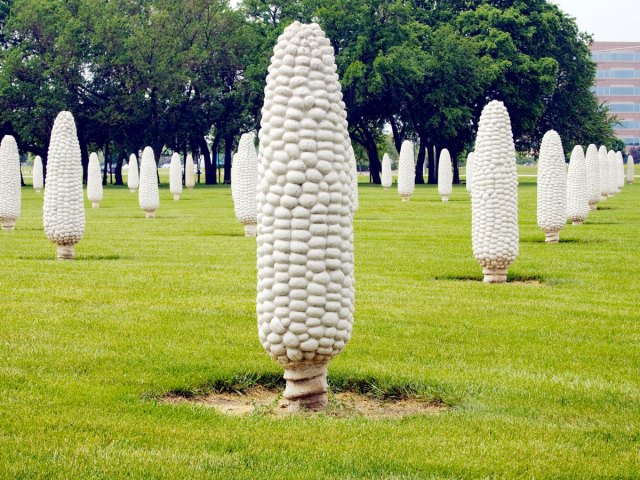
x=616, y=57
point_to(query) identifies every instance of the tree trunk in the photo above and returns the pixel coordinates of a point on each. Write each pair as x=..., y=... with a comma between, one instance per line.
x=209, y=167
x=228, y=145
x=84, y=155
x=22, y=184
x=119, y=164
x=157, y=146
x=422, y=153
x=105, y=170
x=398, y=136
x=456, y=169
x=432, y=166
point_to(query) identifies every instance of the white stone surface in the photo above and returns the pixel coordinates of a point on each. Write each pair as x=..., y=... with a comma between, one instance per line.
x=306, y=291
x=604, y=172
x=552, y=186
x=469, y=171
x=133, y=178
x=244, y=181
x=387, y=175
x=631, y=172
x=620, y=170
x=94, y=181
x=354, y=178
x=593, y=176
x=10, y=186
x=612, y=179
x=189, y=172
x=445, y=175
x=63, y=211
x=406, y=171
x=175, y=176
x=495, y=235
x=38, y=174
x=148, y=194
x=577, y=187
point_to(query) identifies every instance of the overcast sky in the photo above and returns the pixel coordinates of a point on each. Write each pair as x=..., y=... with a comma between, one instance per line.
x=606, y=20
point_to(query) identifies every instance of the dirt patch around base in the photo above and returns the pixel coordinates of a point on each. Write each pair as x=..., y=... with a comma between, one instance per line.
x=262, y=401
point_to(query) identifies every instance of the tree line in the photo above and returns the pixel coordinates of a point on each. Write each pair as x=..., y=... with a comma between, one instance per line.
x=188, y=75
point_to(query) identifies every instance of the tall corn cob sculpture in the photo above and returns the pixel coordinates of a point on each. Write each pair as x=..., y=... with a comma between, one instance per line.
x=148, y=194
x=354, y=178
x=612, y=173
x=189, y=172
x=63, y=212
x=10, y=187
x=593, y=176
x=133, y=175
x=445, y=175
x=552, y=187
x=306, y=291
x=244, y=181
x=495, y=194
x=603, y=161
x=94, y=181
x=175, y=176
x=631, y=173
x=577, y=188
x=620, y=170
x=38, y=174
x=387, y=175
x=469, y=170
x=406, y=171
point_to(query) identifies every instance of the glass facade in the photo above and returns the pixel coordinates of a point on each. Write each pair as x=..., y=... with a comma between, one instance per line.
x=618, y=85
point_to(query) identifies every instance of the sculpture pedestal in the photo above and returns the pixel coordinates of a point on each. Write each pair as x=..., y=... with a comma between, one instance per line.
x=9, y=225
x=495, y=275
x=66, y=252
x=577, y=222
x=132, y=190
x=445, y=199
x=176, y=197
x=95, y=204
x=593, y=206
x=150, y=214
x=552, y=237
x=250, y=230
x=406, y=198
x=306, y=387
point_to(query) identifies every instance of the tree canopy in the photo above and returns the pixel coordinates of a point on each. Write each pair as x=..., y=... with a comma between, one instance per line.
x=189, y=75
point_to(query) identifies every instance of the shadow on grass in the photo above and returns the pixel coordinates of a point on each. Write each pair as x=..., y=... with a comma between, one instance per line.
x=379, y=389
x=511, y=278
x=79, y=258
x=221, y=234
x=563, y=240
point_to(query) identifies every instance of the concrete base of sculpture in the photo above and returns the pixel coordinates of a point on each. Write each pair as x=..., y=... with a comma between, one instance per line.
x=190, y=188
x=445, y=199
x=38, y=190
x=406, y=198
x=552, y=237
x=577, y=222
x=132, y=190
x=250, y=230
x=176, y=197
x=150, y=214
x=386, y=188
x=95, y=204
x=306, y=387
x=603, y=198
x=495, y=275
x=66, y=252
x=9, y=225
x=593, y=207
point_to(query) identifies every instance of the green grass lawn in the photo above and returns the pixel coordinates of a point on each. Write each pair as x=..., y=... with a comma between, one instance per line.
x=543, y=377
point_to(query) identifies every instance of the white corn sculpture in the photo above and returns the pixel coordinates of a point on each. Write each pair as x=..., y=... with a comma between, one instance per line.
x=469, y=167
x=620, y=170
x=612, y=171
x=38, y=174
x=631, y=173
x=63, y=212
x=189, y=172
x=445, y=175
x=604, y=173
x=133, y=175
x=387, y=176
x=306, y=291
x=577, y=188
x=494, y=201
x=354, y=179
x=94, y=181
x=10, y=186
x=244, y=181
x=406, y=171
x=175, y=176
x=148, y=194
x=593, y=176
x=552, y=187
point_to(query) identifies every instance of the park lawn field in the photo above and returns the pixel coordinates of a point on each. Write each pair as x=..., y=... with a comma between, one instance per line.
x=542, y=376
